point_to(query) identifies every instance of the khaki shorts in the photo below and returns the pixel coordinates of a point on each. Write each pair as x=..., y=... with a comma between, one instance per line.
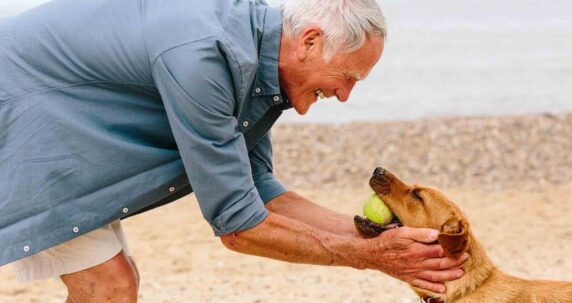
x=85, y=251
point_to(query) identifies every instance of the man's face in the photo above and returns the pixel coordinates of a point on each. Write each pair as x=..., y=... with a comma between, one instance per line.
x=313, y=77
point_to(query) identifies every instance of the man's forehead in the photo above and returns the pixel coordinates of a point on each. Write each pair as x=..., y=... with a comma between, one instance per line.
x=362, y=69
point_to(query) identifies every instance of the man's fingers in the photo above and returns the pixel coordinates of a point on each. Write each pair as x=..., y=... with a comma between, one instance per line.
x=430, y=286
x=443, y=263
x=423, y=235
x=441, y=275
x=428, y=251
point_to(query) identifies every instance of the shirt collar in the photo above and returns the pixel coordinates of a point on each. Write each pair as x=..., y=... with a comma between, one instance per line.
x=266, y=81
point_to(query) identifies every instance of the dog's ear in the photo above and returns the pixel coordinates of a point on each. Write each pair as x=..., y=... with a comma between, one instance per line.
x=454, y=237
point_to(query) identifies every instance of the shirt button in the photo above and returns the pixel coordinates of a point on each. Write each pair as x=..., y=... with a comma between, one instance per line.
x=125, y=210
x=245, y=123
x=257, y=90
x=171, y=189
x=276, y=98
x=75, y=229
x=26, y=248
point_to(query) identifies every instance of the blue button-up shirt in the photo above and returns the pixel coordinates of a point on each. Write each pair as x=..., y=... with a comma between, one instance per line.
x=108, y=106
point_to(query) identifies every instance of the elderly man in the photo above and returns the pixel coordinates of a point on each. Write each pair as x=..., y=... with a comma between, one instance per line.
x=109, y=108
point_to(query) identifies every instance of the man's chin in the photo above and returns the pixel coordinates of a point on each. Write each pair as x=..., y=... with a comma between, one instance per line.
x=302, y=108
x=302, y=111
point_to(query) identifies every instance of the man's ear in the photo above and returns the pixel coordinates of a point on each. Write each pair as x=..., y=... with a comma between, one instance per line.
x=310, y=40
x=454, y=237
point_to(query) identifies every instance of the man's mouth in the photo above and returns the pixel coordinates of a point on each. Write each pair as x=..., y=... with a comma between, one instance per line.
x=320, y=93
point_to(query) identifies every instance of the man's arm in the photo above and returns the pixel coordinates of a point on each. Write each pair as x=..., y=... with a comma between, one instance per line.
x=279, y=237
x=400, y=253
x=296, y=207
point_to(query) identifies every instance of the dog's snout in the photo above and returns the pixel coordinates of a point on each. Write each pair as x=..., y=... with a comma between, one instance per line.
x=378, y=171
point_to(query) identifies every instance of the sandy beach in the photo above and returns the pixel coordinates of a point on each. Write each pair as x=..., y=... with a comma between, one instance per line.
x=511, y=175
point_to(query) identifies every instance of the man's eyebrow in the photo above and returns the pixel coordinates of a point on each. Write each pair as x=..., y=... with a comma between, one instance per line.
x=355, y=76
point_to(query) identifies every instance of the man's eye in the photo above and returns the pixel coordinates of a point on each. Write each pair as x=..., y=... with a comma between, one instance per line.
x=416, y=195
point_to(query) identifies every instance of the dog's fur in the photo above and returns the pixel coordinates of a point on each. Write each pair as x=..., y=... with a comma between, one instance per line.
x=421, y=206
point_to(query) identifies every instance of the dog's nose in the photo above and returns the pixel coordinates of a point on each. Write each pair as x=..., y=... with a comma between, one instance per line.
x=378, y=171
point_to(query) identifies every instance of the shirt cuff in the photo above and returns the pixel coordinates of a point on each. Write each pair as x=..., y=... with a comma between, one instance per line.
x=268, y=186
x=243, y=215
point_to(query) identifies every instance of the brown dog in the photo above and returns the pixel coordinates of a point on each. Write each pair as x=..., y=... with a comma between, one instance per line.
x=421, y=206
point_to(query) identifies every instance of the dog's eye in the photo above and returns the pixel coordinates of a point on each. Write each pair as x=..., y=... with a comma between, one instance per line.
x=416, y=195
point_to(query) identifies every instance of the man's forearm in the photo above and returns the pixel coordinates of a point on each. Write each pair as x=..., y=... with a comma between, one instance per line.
x=282, y=238
x=399, y=252
x=296, y=207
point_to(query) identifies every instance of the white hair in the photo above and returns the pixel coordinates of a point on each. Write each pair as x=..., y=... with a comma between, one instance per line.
x=346, y=24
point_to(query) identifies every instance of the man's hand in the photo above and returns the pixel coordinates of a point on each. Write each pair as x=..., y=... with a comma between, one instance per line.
x=408, y=254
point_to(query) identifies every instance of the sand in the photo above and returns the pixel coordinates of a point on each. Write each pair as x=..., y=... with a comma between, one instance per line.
x=518, y=209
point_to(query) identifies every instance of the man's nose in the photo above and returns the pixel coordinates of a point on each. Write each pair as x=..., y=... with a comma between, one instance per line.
x=343, y=94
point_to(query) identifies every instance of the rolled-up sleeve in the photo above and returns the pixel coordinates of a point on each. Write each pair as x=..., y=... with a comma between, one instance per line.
x=262, y=171
x=198, y=92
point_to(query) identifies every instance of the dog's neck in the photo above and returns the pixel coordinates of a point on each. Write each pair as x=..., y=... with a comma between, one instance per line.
x=478, y=268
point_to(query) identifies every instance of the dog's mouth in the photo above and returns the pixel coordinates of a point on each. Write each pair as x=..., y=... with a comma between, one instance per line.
x=370, y=229
x=380, y=182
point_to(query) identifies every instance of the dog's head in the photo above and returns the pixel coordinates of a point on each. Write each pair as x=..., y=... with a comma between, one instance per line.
x=422, y=206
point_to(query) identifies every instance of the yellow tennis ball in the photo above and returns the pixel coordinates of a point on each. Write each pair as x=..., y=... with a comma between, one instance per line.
x=376, y=211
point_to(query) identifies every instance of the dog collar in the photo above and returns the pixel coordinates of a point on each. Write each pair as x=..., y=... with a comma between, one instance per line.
x=432, y=300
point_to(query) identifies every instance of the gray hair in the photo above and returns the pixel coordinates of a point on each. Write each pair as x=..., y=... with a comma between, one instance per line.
x=346, y=24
